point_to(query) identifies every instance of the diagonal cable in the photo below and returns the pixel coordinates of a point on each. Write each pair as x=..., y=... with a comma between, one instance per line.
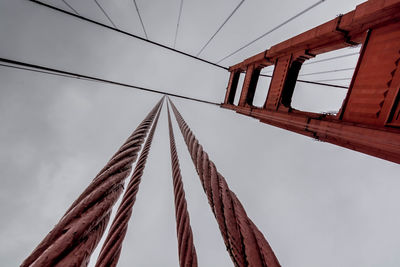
x=140, y=18
x=177, y=24
x=105, y=13
x=273, y=29
x=220, y=27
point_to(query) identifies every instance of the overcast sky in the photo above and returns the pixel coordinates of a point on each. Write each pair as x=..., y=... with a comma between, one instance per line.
x=317, y=204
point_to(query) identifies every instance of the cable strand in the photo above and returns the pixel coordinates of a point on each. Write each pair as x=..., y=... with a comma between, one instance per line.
x=186, y=248
x=81, y=227
x=111, y=249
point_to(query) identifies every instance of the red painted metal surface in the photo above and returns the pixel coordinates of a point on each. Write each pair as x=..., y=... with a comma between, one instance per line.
x=369, y=119
x=73, y=239
x=186, y=248
x=246, y=245
x=111, y=250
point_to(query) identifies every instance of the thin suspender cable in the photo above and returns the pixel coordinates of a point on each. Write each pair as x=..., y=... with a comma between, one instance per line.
x=324, y=84
x=70, y=7
x=311, y=82
x=105, y=13
x=186, y=248
x=326, y=59
x=112, y=246
x=246, y=245
x=56, y=72
x=177, y=24
x=272, y=30
x=328, y=71
x=38, y=71
x=339, y=79
x=331, y=58
x=127, y=33
x=141, y=21
x=220, y=27
x=73, y=239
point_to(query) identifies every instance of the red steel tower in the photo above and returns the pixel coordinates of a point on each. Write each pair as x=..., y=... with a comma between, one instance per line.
x=369, y=118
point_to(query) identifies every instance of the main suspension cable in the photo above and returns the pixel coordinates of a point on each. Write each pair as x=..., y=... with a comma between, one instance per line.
x=56, y=72
x=127, y=33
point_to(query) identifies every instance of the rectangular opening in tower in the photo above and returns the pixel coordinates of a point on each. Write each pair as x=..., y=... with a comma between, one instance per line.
x=239, y=88
x=336, y=68
x=262, y=88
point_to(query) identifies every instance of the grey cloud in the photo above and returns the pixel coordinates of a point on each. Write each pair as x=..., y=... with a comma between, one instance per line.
x=318, y=204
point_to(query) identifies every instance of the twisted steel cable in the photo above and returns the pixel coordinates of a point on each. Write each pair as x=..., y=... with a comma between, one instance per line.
x=245, y=243
x=73, y=239
x=112, y=246
x=81, y=253
x=187, y=250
